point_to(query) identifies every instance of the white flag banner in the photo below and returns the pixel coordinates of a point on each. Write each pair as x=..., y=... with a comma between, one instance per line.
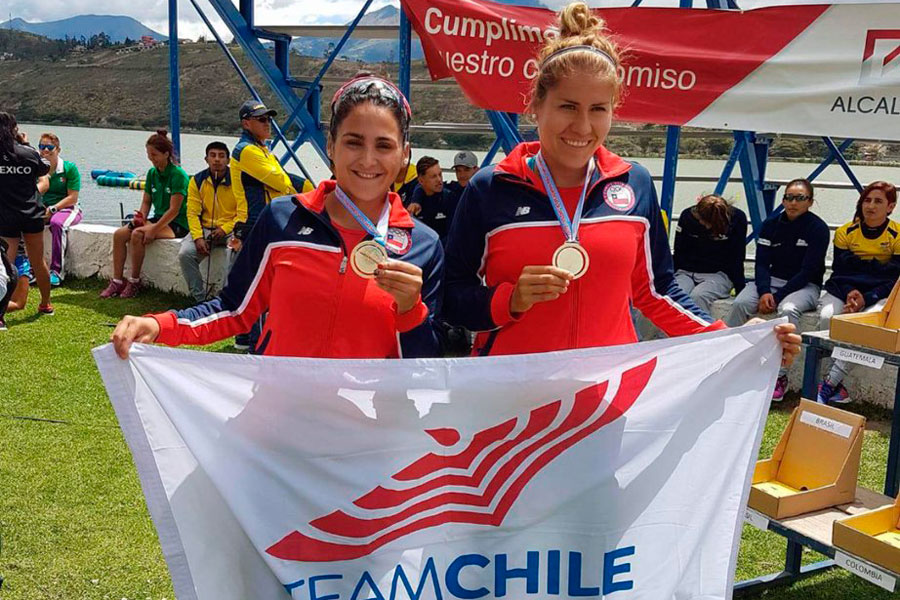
x=617, y=472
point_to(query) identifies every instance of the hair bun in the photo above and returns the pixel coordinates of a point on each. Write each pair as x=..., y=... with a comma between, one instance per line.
x=162, y=132
x=577, y=19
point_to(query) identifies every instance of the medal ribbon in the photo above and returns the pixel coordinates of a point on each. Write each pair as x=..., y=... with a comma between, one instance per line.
x=379, y=232
x=569, y=226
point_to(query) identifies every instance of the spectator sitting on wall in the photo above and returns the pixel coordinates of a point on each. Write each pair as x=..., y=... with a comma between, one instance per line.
x=165, y=192
x=710, y=247
x=790, y=265
x=864, y=270
x=212, y=213
x=60, y=189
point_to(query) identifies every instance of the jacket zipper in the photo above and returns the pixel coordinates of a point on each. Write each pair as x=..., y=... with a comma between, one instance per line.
x=342, y=270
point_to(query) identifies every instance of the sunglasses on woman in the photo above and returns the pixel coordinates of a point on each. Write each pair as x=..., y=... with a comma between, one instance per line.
x=795, y=197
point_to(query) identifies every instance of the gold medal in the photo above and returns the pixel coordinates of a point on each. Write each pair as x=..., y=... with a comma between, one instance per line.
x=573, y=258
x=366, y=257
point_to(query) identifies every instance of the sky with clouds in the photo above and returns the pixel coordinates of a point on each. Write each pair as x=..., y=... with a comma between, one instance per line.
x=154, y=13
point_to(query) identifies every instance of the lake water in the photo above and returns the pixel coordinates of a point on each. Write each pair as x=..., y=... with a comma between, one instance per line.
x=123, y=150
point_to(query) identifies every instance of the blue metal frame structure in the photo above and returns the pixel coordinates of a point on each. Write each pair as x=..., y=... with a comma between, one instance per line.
x=750, y=150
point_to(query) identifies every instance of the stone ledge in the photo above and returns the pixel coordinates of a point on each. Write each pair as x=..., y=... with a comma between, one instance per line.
x=90, y=255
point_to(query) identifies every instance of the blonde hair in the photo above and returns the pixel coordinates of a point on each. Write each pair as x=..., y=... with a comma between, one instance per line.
x=577, y=27
x=51, y=137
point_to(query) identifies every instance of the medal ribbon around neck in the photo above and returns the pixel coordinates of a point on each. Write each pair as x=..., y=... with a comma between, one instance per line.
x=378, y=232
x=569, y=226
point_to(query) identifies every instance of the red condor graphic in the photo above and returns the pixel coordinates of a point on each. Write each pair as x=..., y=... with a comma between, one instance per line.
x=536, y=444
x=880, y=59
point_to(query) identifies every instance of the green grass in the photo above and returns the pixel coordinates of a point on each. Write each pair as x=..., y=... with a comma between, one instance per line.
x=72, y=516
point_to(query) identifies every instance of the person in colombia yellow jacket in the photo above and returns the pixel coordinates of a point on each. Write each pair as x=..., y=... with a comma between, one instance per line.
x=213, y=212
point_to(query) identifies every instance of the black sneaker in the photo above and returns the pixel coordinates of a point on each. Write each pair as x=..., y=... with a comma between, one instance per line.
x=2, y=324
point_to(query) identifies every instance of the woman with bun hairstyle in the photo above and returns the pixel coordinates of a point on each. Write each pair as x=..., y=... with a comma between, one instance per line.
x=550, y=248
x=166, y=190
x=343, y=270
x=710, y=247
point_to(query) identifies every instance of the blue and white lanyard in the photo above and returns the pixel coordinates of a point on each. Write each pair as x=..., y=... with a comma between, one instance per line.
x=569, y=226
x=379, y=232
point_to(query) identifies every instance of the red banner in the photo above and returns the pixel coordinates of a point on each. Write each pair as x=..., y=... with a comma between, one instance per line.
x=677, y=61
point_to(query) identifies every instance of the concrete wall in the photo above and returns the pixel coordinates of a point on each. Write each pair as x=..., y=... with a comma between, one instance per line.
x=90, y=255
x=864, y=383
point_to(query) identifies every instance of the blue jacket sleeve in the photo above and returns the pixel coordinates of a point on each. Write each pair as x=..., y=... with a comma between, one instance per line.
x=813, y=262
x=764, y=259
x=467, y=301
x=737, y=250
x=423, y=341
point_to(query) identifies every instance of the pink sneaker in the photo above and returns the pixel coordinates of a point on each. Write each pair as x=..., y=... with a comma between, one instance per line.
x=131, y=289
x=780, y=388
x=113, y=289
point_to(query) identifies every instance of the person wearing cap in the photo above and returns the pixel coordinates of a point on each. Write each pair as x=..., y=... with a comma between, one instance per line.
x=256, y=178
x=432, y=203
x=256, y=174
x=465, y=164
x=343, y=271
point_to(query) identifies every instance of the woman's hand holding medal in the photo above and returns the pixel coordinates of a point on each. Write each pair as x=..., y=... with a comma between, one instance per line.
x=538, y=283
x=402, y=280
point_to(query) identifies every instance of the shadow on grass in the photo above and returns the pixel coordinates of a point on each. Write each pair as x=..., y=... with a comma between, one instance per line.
x=85, y=293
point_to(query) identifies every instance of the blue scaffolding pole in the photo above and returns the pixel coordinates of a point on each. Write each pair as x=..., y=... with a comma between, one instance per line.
x=174, y=92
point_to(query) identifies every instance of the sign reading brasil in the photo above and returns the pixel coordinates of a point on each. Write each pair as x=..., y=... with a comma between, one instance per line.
x=838, y=65
x=573, y=474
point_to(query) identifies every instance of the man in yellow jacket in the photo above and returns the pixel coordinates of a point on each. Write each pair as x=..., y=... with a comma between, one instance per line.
x=213, y=212
x=256, y=174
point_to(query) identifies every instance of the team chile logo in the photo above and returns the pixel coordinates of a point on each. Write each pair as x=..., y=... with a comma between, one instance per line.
x=419, y=497
x=398, y=241
x=619, y=196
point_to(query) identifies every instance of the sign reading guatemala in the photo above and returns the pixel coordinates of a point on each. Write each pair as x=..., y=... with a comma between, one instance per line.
x=610, y=472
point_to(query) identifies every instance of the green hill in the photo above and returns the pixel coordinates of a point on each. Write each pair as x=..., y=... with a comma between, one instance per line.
x=47, y=81
x=126, y=88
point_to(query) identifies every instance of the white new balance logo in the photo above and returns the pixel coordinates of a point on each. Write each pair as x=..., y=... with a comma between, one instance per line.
x=306, y=231
x=523, y=210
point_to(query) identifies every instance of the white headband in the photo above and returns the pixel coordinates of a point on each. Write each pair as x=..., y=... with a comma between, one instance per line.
x=580, y=48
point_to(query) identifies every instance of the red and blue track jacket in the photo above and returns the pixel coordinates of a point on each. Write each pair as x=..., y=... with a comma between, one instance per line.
x=505, y=222
x=295, y=265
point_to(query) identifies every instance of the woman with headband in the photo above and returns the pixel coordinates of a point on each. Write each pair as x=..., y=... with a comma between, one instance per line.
x=550, y=248
x=343, y=270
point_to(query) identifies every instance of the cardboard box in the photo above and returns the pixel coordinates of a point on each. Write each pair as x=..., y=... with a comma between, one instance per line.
x=878, y=330
x=873, y=536
x=815, y=464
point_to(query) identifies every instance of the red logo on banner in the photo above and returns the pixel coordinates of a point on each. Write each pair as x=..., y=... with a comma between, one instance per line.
x=427, y=502
x=880, y=59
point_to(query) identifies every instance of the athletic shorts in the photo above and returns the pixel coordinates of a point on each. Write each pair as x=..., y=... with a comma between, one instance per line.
x=14, y=225
x=177, y=229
